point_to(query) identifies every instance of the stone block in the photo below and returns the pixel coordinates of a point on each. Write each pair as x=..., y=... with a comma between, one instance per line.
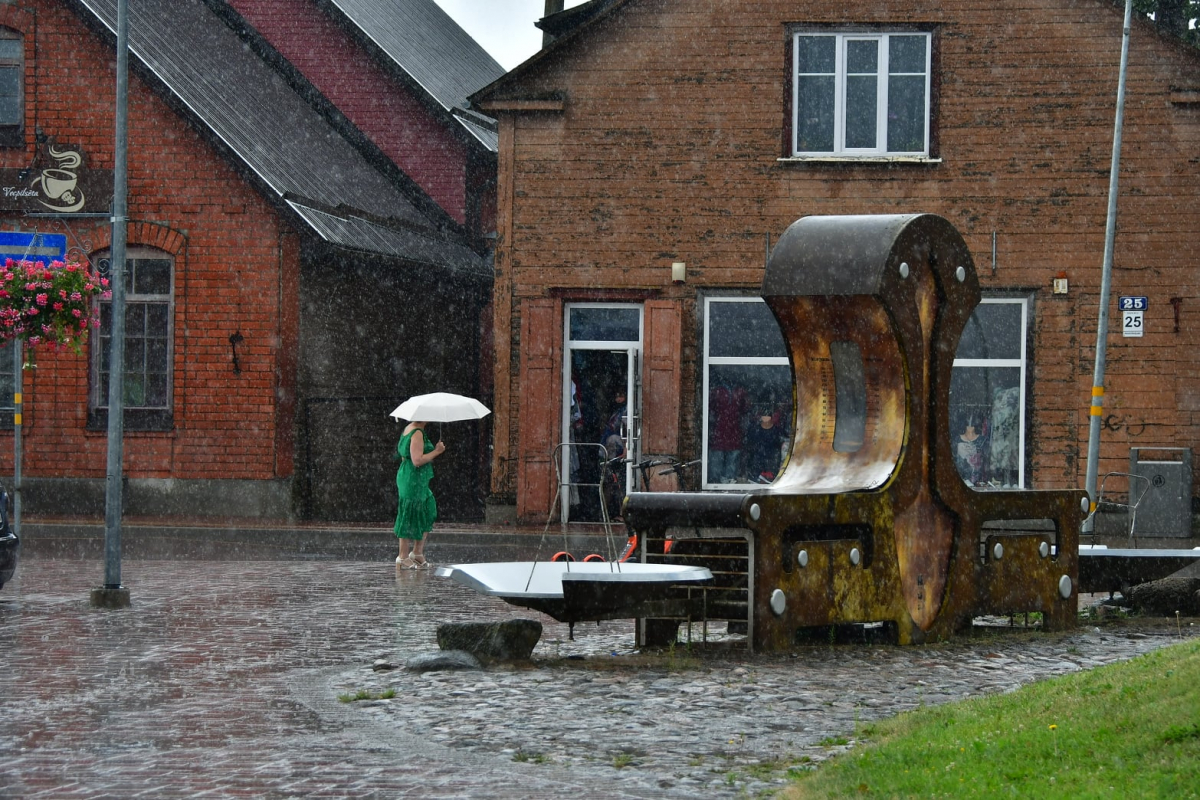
x=510, y=640
x=1166, y=596
x=442, y=660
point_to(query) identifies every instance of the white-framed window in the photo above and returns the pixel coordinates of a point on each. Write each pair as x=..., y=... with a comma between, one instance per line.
x=861, y=94
x=149, y=304
x=12, y=87
x=987, y=395
x=747, y=393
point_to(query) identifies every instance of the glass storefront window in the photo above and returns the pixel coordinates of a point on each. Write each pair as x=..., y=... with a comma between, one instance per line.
x=987, y=396
x=747, y=393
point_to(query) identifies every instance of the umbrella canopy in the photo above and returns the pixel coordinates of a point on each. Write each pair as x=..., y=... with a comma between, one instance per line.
x=440, y=407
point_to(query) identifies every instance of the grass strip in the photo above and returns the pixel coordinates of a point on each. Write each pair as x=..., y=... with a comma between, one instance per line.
x=1124, y=730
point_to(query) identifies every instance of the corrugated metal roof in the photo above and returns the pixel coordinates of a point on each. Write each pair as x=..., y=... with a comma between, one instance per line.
x=248, y=106
x=428, y=45
x=355, y=233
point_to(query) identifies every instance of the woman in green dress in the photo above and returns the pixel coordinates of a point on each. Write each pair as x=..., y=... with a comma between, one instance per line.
x=418, y=509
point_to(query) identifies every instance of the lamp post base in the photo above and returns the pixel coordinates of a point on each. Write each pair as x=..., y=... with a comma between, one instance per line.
x=110, y=597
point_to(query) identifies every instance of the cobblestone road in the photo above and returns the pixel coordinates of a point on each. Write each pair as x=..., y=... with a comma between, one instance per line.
x=223, y=680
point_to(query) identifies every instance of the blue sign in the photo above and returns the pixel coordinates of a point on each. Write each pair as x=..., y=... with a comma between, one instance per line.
x=20, y=245
x=1132, y=315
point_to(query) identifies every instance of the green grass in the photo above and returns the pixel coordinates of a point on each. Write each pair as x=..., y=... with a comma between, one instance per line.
x=1126, y=730
x=363, y=694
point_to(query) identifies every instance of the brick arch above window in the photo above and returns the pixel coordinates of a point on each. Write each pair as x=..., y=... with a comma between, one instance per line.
x=141, y=234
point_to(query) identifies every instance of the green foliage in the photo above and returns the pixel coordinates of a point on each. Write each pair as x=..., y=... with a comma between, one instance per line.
x=1180, y=17
x=1124, y=730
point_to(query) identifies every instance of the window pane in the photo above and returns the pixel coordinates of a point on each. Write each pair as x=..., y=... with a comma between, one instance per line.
x=906, y=114
x=862, y=104
x=993, y=331
x=814, y=114
x=156, y=354
x=906, y=54
x=156, y=319
x=6, y=376
x=741, y=447
x=985, y=415
x=743, y=330
x=12, y=50
x=156, y=390
x=10, y=96
x=862, y=57
x=135, y=319
x=152, y=276
x=605, y=325
x=815, y=54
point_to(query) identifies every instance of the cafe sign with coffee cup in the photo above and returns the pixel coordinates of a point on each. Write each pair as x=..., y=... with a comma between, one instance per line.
x=57, y=182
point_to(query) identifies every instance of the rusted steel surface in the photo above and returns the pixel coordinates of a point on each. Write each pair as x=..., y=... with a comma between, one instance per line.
x=869, y=520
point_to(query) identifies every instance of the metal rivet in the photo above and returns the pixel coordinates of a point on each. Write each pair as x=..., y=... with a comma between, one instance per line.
x=903, y=269
x=961, y=274
x=855, y=556
x=778, y=602
x=1064, y=587
x=802, y=558
x=755, y=512
x=1085, y=505
x=1044, y=549
x=998, y=551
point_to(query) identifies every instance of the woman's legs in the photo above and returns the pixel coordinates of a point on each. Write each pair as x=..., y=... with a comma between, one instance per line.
x=404, y=548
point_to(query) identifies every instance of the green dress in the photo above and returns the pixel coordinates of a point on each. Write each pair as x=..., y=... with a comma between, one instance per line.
x=418, y=509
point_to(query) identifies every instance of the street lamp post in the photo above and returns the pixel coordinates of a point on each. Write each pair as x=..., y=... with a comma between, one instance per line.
x=112, y=594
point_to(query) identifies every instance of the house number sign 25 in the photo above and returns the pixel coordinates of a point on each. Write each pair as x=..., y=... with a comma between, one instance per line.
x=1132, y=311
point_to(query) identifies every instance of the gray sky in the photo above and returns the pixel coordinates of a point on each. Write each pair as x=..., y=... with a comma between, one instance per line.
x=503, y=27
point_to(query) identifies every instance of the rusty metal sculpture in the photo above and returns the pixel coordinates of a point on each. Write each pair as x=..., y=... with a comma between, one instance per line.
x=869, y=520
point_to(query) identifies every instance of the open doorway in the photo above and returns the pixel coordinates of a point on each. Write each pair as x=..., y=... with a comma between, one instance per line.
x=602, y=408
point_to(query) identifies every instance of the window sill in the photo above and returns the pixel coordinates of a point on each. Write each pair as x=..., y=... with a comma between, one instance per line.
x=136, y=420
x=860, y=160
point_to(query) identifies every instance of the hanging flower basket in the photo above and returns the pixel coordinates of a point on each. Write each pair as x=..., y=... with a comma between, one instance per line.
x=49, y=304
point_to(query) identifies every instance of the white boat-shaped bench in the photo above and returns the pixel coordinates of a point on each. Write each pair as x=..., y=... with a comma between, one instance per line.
x=578, y=591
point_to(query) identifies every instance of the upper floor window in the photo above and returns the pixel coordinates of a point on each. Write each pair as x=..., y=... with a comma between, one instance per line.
x=860, y=94
x=12, y=86
x=149, y=295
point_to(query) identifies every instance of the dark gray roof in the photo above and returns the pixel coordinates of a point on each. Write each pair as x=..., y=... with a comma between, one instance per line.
x=431, y=48
x=280, y=137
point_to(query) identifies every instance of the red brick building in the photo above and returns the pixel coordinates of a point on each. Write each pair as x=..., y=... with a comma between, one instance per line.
x=288, y=283
x=656, y=132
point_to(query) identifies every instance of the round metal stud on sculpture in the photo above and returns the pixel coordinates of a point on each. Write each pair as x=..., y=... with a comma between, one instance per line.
x=961, y=274
x=802, y=558
x=998, y=551
x=1044, y=549
x=903, y=269
x=778, y=602
x=755, y=512
x=1065, y=587
x=855, y=556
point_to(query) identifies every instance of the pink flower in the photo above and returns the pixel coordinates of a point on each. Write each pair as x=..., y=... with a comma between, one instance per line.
x=42, y=299
x=104, y=281
x=57, y=306
x=77, y=313
x=76, y=297
x=32, y=311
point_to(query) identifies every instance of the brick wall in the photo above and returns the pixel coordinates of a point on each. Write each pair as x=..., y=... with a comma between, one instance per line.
x=376, y=102
x=226, y=241
x=668, y=146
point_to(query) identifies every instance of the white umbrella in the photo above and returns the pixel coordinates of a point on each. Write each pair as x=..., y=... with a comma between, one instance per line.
x=440, y=407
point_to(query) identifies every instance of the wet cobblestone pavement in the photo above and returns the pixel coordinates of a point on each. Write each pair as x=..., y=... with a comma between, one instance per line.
x=223, y=680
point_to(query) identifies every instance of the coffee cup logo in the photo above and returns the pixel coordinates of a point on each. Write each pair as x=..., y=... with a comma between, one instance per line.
x=59, y=184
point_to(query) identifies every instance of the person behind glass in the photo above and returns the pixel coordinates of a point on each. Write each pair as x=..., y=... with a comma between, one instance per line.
x=614, y=445
x=418, y=508
x=764, y=449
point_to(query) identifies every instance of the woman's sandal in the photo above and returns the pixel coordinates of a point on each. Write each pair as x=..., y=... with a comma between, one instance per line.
x=406, y=563
x=422, y=564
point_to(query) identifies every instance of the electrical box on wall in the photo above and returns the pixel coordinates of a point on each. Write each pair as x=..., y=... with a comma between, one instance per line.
x=1060, y=284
